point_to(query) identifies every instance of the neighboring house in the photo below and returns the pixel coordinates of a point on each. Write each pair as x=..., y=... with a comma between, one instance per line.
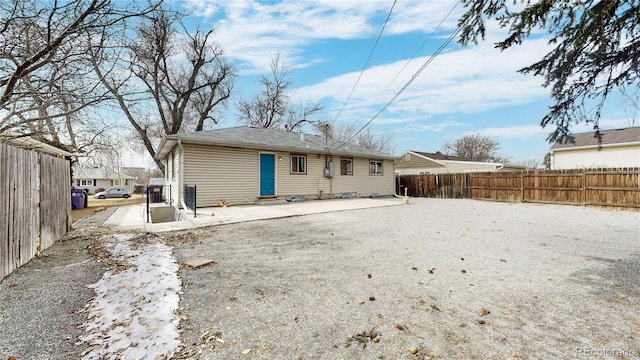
x=94, y=178
x=619, y=148
x=418, y=163
x=241, y=165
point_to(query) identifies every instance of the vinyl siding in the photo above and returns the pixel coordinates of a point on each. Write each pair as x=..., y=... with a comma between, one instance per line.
x=450, y=167
x=221, y=173
x=414, y=162
x=311, y=184
x=607, y=157
x=232, y=174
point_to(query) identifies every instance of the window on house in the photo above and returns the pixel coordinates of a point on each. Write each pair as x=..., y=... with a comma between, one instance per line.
x=86, y=182
x=298, y=164
x=346, y=166
x=375, y=167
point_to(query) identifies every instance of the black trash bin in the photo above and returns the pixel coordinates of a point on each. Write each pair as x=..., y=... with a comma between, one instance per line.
x=78, y=199
x=155, y=193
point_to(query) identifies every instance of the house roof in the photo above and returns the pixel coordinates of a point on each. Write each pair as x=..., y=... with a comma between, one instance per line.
x=609, y=137
x=29, y=143
x=98, y=173
x=440, y=156
x=267, y=139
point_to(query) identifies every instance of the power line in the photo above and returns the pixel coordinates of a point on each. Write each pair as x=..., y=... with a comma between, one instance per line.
x=406, y=64
x=366, y=63
x=415, y=75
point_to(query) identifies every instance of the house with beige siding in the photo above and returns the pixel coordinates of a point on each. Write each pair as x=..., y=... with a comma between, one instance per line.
x=418, y=163
x=618, y=148
x=94, y=179
x=242, y=165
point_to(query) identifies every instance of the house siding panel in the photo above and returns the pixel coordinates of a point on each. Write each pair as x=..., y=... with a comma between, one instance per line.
x=222, y=173
x=415, y=162
x=450, y=167
x=607, y=157
x=232, y=174
x=314, y=182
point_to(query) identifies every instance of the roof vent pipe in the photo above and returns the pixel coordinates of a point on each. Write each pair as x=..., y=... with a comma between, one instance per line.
x=286, y=128
x=301, y=136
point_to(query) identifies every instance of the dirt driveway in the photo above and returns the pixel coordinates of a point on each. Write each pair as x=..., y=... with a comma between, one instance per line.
x=442, y=279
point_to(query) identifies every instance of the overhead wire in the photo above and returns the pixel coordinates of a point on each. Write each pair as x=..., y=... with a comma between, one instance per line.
x=350, y=128
x=366, y=62
x=415, y=75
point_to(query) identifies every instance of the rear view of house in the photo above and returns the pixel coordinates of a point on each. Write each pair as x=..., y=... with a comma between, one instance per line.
x=242, y=165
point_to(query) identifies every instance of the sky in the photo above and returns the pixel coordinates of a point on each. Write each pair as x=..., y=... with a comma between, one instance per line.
x=332, y=45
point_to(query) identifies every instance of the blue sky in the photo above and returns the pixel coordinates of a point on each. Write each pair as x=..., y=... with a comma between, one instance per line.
x=462, y=91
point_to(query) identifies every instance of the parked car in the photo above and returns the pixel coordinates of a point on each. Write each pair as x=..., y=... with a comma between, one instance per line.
x=115, y=192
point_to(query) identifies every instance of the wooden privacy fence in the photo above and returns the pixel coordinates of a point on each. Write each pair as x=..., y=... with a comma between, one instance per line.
x=35, y=204
x=599, y=187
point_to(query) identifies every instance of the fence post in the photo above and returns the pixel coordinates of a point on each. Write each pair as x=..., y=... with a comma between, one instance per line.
x=195, y=197
x=522, y=186
x=147, y=204
x=583, y=185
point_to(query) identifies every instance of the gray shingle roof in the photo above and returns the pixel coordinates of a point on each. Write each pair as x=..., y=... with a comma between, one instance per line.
x=615, y=136
x=440, y=156
x=267, y=139
x=97, y=173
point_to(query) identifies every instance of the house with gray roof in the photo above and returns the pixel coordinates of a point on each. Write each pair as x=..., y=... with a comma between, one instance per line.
x=97, y=178
x=618, y=148
x=242, y=165
x=418, y=163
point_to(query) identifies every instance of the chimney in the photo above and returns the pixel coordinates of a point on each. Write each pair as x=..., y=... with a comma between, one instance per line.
x=286, y=128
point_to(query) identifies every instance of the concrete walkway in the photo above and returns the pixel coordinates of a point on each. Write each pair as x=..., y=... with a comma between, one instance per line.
x=134, y=217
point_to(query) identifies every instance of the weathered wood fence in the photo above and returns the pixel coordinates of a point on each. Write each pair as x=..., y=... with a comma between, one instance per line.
x=598, y=187
x=35, y=204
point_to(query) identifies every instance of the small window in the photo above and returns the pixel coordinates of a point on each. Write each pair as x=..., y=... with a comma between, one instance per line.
x=346, y=166
x=298, y=164
x=375, y=167
x=86, y=182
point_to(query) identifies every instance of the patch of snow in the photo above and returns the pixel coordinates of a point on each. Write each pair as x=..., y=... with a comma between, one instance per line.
x=133, y=314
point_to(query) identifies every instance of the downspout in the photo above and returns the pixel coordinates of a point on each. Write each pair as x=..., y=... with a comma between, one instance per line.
x=405, y=198
x=181, y=175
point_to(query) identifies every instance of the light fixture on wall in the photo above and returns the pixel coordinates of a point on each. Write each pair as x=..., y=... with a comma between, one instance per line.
x=279, y=158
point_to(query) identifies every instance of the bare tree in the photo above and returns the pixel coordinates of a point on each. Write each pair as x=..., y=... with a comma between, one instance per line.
x=271, y=107
x=474, y=147
x=631, y=106
x=182, y=77
x=530, y=163
x=48, y=88
x=45, y=74
x=367, y=138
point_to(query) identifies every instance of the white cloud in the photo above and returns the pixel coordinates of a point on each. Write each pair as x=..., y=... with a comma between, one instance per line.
x=524, y=131
x=253, y=31
x=465, y=80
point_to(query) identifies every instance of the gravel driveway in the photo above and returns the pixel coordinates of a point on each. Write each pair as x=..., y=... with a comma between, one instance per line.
x=441, y=279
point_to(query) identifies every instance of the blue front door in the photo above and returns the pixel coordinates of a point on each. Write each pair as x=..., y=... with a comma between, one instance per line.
x=267, y=175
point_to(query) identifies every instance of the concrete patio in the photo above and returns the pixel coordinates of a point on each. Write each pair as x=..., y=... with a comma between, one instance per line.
x=134, y=217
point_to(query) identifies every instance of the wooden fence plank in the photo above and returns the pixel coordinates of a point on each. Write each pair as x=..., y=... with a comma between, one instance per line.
x=601, y=187
x=20, y=195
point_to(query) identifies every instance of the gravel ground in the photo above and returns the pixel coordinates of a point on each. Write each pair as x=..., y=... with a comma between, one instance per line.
x=441, y=279
x=40, y=301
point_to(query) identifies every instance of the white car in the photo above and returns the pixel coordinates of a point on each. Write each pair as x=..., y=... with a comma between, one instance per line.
x=115, y=192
